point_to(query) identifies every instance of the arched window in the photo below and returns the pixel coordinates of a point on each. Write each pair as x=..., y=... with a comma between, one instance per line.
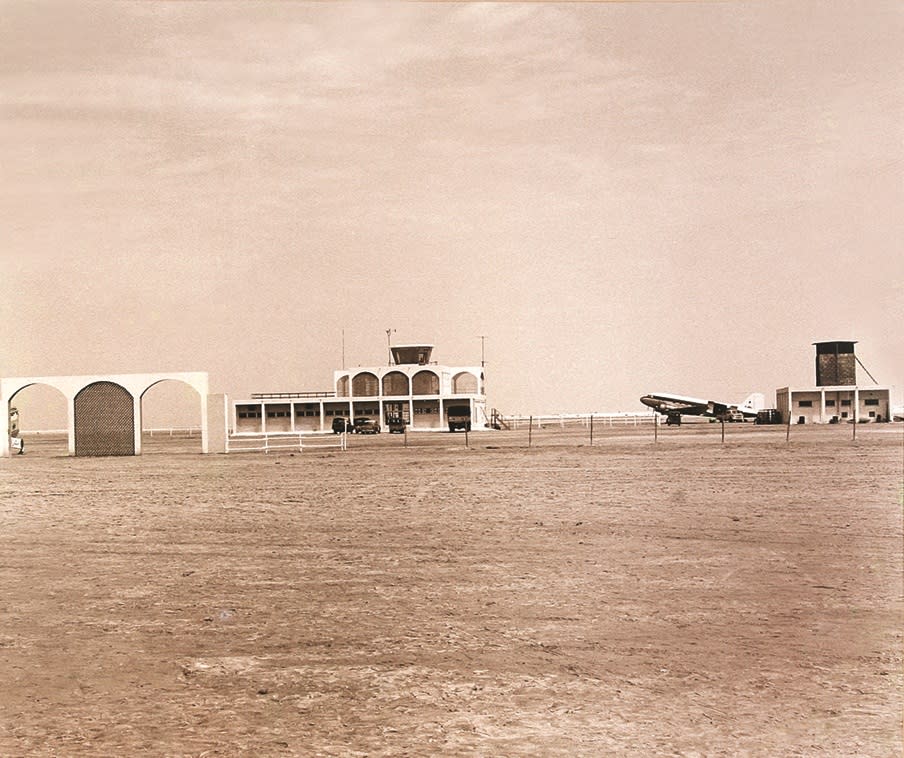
x=342, y=386
x=425, y=383
x=365, y=384
x=464, y=384
x=395, y=383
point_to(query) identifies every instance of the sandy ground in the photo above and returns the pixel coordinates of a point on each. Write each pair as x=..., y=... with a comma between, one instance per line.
x=683, y=597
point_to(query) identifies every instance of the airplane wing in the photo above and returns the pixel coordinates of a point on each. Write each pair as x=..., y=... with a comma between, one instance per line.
x=672, y=405
x=716, y=409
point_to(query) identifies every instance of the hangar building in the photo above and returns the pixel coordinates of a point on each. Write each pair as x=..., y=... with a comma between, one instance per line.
x=413, y=387
x=836, y=397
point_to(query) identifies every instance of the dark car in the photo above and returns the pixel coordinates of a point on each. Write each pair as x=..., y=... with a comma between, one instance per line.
x=396, y=424
x=365, y=425
x=342, y=424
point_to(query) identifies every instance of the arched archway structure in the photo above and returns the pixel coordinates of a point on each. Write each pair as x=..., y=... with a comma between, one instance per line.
x=97, y=408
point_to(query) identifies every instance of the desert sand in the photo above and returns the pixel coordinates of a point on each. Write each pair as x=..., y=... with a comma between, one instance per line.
x=639, y=598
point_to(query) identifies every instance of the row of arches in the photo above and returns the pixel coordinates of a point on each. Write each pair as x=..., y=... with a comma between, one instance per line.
x=399, y=384
x=104, y=413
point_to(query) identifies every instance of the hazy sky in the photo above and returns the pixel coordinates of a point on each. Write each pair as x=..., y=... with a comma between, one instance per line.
x=621, y=197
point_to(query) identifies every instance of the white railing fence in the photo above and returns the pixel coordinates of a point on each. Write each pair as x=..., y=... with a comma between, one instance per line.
x=563, y=420
x=174, y=431
x=277, y=441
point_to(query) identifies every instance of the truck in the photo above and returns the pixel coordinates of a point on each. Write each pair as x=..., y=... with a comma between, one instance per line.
x=459, y=417
x=768, y=416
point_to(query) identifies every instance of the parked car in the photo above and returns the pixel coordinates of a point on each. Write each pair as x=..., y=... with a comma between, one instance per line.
x=396, y=424
x=342, y=424
x=365, y=425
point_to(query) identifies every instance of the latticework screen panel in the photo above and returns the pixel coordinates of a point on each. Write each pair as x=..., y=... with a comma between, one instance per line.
x=104, y=420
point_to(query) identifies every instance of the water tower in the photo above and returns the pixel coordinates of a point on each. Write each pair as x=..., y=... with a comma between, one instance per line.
x=836, y=364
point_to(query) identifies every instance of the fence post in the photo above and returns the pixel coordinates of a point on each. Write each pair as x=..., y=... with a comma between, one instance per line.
x=530, y=430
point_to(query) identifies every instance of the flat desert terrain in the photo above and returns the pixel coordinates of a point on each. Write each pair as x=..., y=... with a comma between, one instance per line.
x=636, y=598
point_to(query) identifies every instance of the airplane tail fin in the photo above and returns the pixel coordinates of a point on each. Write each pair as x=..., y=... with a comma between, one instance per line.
x=754, y=402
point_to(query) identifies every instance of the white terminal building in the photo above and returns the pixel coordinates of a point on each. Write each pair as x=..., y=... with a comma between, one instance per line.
x=836, y=397
x=413, y=387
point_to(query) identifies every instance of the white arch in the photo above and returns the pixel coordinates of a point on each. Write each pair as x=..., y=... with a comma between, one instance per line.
x=135, y=384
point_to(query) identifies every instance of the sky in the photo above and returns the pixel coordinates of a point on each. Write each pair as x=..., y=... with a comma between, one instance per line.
x=599, y=199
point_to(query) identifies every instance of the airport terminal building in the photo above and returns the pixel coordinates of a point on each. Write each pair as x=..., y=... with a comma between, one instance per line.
x=836, y=398
x=413, y=387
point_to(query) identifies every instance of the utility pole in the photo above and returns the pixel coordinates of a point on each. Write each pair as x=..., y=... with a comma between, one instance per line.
x=483, y=363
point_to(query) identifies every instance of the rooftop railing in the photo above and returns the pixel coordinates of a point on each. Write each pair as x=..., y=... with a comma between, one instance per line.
x=278, y=395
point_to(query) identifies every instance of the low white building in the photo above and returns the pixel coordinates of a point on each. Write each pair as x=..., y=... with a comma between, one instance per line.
x=834, y=404
x=412, y=387
x=836, y=397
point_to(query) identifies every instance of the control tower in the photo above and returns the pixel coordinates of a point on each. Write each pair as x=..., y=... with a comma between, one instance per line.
x=411, y=355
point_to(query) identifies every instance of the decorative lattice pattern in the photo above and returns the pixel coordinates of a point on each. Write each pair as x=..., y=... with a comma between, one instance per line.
x=834, y=370
x=104, y=420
